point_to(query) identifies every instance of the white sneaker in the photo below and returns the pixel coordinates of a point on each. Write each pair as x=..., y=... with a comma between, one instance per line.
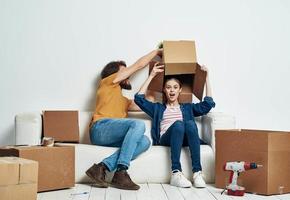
x=178, y=180
x=198, y=181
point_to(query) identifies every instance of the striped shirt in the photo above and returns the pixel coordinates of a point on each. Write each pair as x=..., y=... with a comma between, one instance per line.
x=170, y=115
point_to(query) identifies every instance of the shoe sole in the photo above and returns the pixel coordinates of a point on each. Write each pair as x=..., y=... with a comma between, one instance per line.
x=189, y=186
x=199, y=186
x=96, y=184
x=122, y=187
x=181, y=186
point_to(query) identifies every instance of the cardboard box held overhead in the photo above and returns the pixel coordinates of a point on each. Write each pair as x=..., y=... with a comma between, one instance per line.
x=63, y=126
x=179, y=58
x=56, y=169
x=18, y=178
x=268, y=148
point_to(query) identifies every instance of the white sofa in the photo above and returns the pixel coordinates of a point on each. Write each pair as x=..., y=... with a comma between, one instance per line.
x=152, y=166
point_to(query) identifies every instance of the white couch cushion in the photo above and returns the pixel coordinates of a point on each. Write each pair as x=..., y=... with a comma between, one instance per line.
x=152, y=166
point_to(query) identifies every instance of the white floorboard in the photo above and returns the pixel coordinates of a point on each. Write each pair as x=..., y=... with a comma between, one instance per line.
x=149, y=192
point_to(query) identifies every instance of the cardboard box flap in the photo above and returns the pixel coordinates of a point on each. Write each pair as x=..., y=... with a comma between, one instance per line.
x=199, y=82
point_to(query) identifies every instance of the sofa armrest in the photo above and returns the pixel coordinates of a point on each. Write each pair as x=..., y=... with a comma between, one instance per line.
x=214, y=121
x=28, y=128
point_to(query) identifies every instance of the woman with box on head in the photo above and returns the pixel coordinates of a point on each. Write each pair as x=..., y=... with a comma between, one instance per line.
x=173, y=124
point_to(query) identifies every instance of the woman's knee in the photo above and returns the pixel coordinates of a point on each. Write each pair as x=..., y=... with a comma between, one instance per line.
x=191, y=128
x=145, y=142
x=138, y=125
x=177, y=126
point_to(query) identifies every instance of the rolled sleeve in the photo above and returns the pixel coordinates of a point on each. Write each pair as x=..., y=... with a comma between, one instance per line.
x=144, y=104
x=203, y=107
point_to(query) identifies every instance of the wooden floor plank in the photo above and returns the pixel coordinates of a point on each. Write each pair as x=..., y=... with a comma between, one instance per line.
x=157, y=192
x=57, y=194
x=97, y=193
x=283, y=197
x=144, y=192
x=172, y=192
x=82, y=192
x=216, y=192
x=188, y=193
x=128, y=195
x=113, y=194
x=149, y=192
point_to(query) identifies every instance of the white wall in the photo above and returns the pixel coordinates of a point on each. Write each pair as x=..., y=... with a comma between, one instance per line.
x=51, y=52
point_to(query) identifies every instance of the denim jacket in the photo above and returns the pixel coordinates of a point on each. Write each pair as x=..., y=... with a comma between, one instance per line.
x=156, y=110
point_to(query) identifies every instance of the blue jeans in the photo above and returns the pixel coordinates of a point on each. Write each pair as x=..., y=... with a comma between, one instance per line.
x=128, y=134
x=180, y=134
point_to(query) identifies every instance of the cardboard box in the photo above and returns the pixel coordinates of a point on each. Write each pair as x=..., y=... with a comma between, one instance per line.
x=26, y=191
x=18, y=178
x=268, y=148
x=179, y=58
x=15, y=170
x=63, y=126
x=56, y=164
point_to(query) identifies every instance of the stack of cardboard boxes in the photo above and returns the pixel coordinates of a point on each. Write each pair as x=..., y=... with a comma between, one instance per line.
x=57, y=163
x=179, y=58
x=18, y=179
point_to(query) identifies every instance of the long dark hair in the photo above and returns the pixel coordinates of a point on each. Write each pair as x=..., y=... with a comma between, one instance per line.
x=111, y=68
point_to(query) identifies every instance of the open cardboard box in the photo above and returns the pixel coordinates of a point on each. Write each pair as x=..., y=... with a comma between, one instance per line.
x=179, y=58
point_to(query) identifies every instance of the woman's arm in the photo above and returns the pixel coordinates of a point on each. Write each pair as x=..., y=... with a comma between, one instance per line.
x=156, y=69
x=140, y=100
x=139, y=64
x=133, y=106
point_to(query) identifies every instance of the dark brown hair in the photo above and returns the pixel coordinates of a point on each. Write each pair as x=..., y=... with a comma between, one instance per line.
x=111, y=68
x=170, y=77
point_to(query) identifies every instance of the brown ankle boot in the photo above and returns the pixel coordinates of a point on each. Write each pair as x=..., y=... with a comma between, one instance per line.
x=122, y=180
x=98, y=174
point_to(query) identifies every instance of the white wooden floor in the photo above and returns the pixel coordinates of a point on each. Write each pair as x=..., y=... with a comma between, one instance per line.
x=148, y=192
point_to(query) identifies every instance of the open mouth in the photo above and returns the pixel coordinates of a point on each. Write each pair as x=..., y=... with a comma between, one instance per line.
x=171, y=95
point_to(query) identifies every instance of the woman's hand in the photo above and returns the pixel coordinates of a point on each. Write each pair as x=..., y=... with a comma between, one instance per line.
x=204, y=68
x=156, y=69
